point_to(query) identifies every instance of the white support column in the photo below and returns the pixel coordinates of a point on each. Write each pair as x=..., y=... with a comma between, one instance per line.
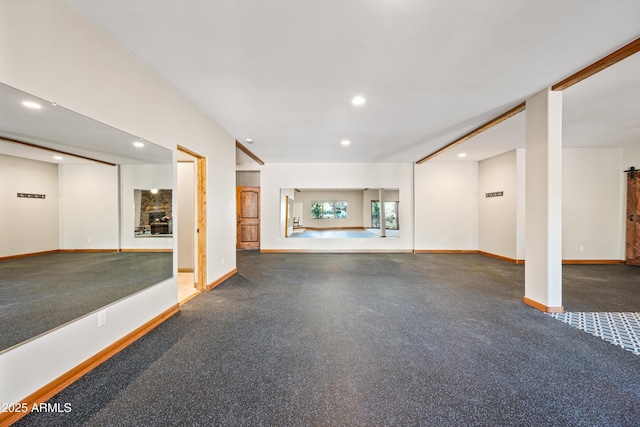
x=543, y=199
x=383, y=217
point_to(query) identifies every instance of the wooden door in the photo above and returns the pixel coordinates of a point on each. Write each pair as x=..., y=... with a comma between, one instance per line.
x=633, y=218
x=248, y=213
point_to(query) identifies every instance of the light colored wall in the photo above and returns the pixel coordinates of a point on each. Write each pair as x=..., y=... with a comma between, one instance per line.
x=354, y=208
x=186, y=202
x=142, y=177
x=89, y=206
x=53, y=52
x=497, y=216
x=630, y=157
x=592, y=206
x=297, y=212
x=28, y=225
x=248, y=178
x=277, y=176
x=446, y=206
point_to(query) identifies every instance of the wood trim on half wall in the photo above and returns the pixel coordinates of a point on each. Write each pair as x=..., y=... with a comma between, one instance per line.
x=53, y=150
x=248, y=152
x=488, y=125
x=145, y=250
x=87, y=251
x=542, y=307
x=65, y=380
x=502, y=258
x=222, y=279
x=609, y=60
x=8, y=257
x=58, y=251
x=591, y=261
x=445, y=251
x=336, y=251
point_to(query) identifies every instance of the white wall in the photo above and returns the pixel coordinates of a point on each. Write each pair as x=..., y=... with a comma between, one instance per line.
x=354, y=207
x=446, y=206
x=275, y=177
x=51, y=51
x=630, y=157
x=142, y=177
x=497, y=216
x=89, y=206
x=28, y=225
x=297, y=212
x=186, y=201
x=592, y=206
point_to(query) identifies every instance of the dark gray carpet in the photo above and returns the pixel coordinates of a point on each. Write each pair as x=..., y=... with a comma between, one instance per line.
x=42, y=292
x=360, y=340
x=601, y=287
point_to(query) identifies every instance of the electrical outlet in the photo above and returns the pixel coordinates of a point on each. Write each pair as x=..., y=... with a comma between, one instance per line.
x=102, y=318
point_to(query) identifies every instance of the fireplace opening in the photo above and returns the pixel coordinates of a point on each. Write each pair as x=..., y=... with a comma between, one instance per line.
x=155, y=217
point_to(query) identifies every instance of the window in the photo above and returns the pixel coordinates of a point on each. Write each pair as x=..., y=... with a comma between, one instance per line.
x=341, y=209
x=325, y=210
x=390, y=214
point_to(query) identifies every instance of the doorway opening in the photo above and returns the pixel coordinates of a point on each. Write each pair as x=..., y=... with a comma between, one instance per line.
x=191, y=200
x=390, y=215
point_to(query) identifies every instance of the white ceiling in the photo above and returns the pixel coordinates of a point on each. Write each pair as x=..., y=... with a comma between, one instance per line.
x=59, y=129
x=283, y=72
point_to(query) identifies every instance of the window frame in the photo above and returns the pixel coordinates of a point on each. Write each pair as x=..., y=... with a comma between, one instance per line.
x=326, y=209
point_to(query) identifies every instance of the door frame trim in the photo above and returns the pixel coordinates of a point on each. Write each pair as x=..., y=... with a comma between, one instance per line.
x=201, y=216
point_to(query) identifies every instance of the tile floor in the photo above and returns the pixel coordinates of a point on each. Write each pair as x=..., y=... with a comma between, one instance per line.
x=621, y=329
x=186, y=289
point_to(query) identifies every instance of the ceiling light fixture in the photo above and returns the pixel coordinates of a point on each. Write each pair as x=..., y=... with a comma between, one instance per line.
x=462, y=155
x=249, y=140
x=57, y=157
x=154, y=191
x=138, y=144
x=31, y=104
x=345, y=142
x=358, y=100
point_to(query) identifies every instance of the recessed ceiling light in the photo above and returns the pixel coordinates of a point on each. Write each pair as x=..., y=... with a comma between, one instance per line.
x=358, y=100
x=462, y=155
x=249, y=140
x=138, y=144
x=57, y=157
x=31, y=104
x=345, y=142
